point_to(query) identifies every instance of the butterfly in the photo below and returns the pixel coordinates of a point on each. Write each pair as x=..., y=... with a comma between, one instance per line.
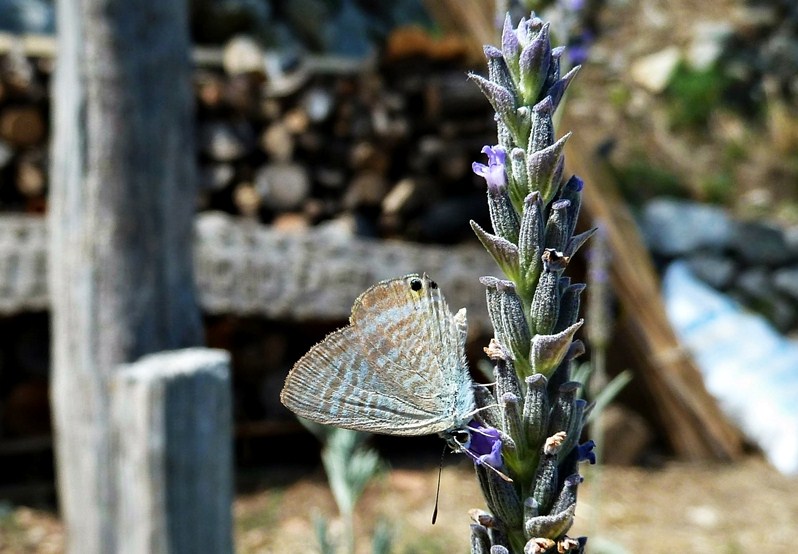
x=398, y=368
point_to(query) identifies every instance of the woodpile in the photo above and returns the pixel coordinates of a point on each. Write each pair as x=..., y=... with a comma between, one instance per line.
x=327, y=143
x=380, y=148
x=24, y=128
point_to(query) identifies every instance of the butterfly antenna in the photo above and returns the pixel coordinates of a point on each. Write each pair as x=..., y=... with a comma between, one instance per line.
x=438, y=488
x=482, y=409
x=499, y=473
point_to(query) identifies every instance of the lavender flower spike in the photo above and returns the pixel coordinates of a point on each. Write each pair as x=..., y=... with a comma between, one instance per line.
x=533, y=211
x=493, y=173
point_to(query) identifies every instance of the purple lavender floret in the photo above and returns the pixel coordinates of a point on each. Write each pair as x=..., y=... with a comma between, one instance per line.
x=493, y=173
x=585, y=452
x=485, y=446
x=579, y=47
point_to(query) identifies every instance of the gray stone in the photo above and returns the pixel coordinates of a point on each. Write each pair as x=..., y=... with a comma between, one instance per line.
x=653, y=72
x=759, y=243
x=782, y=314
x=677, y=227
x=707, y=44
x=757, y=290
x=786, y=280
x=715, y=270
x=755, y=283
x=791, y=239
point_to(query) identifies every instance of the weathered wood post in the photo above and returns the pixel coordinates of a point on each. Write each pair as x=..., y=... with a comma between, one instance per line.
x=171, y=416
x=121, y=211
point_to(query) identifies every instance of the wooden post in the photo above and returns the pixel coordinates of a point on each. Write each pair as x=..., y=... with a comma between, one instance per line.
x=120, y=216
x=171, y=415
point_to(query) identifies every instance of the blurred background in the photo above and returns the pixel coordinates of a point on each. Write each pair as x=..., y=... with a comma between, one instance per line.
x=334, y=142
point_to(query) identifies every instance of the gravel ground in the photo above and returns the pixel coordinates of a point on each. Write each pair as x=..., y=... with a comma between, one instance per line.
x=678, y=507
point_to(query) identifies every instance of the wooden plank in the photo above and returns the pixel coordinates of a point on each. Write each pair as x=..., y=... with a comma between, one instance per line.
x=243, y=268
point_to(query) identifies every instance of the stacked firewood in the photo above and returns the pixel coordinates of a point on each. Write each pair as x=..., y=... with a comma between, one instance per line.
x=24, y=128
x=380, y=147
x=375, y=149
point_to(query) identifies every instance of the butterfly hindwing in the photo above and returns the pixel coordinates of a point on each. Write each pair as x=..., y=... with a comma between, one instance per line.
x=398, y=368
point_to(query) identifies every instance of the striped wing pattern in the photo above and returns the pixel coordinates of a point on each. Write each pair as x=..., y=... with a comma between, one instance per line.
x=398, y=368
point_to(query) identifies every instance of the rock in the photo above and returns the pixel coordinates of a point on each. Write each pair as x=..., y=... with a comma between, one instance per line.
x=791, y=239
x=242, y=94
x=709, y=40
x=782, y=313
x=715, y=270
x=282, y=186
x=755, y=283
x=653, y=72
x=407, y=42
x=330, y=177
x=786, y=280
x=677, y=227
x=456, y=164
x=760, y=243
x=749, y=20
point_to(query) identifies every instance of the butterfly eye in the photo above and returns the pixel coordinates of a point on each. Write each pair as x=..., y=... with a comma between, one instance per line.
x=433, y=285
x=416, y=284
x=462, y=437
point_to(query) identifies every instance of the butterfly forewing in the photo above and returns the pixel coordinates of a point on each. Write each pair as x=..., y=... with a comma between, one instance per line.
x=398, y=368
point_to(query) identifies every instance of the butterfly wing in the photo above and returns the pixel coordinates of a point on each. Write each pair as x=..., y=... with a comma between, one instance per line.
x=398, y=368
